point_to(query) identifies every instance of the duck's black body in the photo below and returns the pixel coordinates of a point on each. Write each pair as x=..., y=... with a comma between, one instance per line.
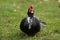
x=35, y=26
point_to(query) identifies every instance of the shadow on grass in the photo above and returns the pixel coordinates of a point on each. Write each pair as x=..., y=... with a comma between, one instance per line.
x=21, y=36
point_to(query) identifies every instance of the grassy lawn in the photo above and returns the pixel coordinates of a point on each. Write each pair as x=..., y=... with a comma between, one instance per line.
x=13, y=11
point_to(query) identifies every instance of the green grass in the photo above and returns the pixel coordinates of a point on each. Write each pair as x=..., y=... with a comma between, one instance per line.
x=10, y=19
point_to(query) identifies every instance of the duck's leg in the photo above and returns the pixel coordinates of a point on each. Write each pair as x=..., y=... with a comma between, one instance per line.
x=25, y=35
x=34, y=36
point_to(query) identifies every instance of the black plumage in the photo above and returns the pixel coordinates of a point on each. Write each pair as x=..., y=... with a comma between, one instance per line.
x=34, y=26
